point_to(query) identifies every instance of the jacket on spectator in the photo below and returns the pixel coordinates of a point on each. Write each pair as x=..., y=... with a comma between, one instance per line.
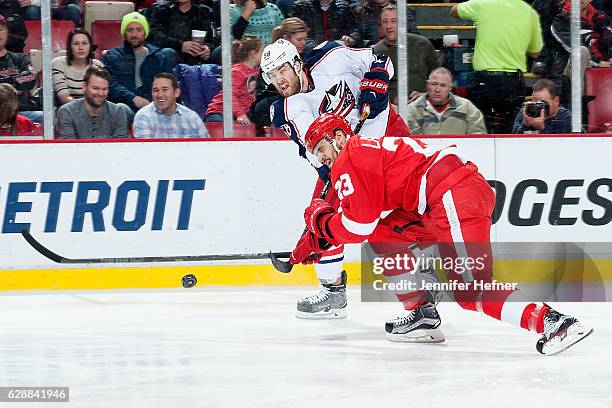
x=561, y=123
x=598, y=41
x=460, y=117
x=170, y=28
x=11, y=10
x=121, y=65
x=16, y=69
x=23, y=127
x=366, y=15
x=330, y=25
x=422, y=59
x=243, y=91
x=198, y=84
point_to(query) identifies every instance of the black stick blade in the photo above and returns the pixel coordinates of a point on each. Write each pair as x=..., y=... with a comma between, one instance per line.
x=281, y=266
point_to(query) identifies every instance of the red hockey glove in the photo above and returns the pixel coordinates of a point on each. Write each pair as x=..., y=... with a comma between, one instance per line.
x=316, y=217
x=305, y=250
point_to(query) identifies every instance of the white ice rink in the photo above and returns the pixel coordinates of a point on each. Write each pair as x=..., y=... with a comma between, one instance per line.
x=243, y=348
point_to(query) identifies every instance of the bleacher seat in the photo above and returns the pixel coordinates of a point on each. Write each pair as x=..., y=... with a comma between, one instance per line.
x=598, y=83
x=215, y=130
x=105, y=10
x=106, y=35
x=36, y=58
x=59, y=33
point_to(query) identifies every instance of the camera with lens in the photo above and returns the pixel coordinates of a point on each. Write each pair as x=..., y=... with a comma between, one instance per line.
x=534, y=109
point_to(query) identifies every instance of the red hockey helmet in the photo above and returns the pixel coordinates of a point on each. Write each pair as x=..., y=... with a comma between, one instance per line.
x=324, y=127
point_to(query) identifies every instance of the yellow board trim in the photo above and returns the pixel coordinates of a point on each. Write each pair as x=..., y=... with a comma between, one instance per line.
x=154, y=277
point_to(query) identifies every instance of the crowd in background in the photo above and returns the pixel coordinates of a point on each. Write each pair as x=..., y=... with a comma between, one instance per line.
x=166, y=75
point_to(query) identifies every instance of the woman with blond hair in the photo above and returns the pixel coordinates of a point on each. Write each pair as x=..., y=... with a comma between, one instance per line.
x=11, y=123
x=293, y=30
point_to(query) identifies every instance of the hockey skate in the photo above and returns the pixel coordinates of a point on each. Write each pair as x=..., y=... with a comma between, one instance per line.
x=560, y=332
x=419, y=326
x=328, y=303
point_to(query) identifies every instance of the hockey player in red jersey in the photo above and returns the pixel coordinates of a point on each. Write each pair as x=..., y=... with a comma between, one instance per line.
x=342, y=80
x=454, y=203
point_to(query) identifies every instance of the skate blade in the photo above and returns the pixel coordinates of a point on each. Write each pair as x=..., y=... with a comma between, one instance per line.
x=418, y=336
x=332, y=314
x=575, y=333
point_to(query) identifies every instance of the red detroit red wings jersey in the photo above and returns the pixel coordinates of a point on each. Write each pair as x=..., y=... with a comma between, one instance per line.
x=375, y=175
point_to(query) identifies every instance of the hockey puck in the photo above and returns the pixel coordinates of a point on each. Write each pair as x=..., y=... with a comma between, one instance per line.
x=189, y=281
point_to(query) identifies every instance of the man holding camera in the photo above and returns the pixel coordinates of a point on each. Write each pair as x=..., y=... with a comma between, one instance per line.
x=543, y=114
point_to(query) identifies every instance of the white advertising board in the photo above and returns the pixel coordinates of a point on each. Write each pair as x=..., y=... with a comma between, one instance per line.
x=221, y=197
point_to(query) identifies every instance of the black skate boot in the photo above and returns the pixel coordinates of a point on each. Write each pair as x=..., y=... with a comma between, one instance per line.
x=418, y=326
x=560, y=332
x=328, y=303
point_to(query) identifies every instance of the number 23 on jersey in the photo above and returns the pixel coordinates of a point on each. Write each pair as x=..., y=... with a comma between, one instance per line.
x=344, y=186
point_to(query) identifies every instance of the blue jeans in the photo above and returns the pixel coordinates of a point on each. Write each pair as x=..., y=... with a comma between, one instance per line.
x=34, y=116
x=214, y=117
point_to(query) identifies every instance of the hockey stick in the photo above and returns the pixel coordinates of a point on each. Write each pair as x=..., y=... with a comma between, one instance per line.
x=47, y=253
x=286, y=266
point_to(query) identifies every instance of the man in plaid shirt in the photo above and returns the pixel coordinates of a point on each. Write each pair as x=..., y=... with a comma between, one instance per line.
x=164, y=118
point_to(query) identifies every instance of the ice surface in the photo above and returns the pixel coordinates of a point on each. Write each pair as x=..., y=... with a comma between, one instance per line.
x=217, y=347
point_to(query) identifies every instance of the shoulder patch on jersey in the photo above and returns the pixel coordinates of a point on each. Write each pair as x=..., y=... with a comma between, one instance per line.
x=319, y=51
x=338, y=99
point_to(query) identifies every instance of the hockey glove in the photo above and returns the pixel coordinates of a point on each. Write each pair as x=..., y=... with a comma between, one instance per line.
x=316, y=217
x=374, y=92
x=304, y=251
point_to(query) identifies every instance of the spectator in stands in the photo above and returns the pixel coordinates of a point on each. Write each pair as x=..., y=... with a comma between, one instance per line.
x=327, y=19
x=596, y=42
x=422, y=57
x=366, y=15
x=12, y=19
x=246, y=55
x=164, y=118
x=11, y=123
x=68, y=71
x=133, y=66
x=439, y=112
x=255, y=18
x=92, y=117
x=552, y=117
x=16, y=70
x=60, y=10
x=171, y=26
x=547, y=10
x=295, y=31
x=508, y=31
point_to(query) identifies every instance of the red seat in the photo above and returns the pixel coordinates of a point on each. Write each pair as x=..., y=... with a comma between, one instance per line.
x=106, y=35
x=598, y=83
x=59, y=34
x=215, y=130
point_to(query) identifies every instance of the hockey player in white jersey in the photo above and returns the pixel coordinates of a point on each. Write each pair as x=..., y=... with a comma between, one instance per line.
x=331, y=79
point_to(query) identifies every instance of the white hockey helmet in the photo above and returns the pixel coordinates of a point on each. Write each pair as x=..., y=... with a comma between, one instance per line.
x=278, y=53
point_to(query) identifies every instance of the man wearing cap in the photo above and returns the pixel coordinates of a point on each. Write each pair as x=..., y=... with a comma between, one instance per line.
x=134, y=65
